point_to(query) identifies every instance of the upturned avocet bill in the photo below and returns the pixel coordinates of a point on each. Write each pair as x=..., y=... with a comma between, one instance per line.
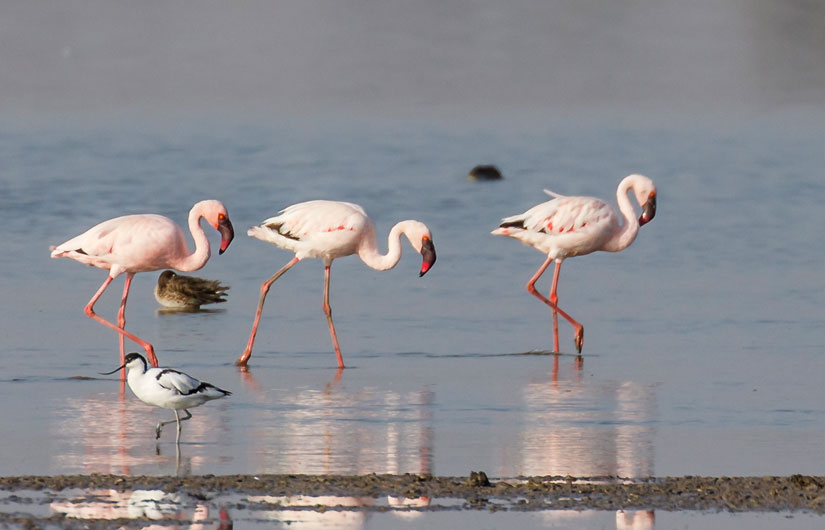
x=177, y=291
x=329, y=230
x=141, y=243
x=167, y=388
x=564, y=227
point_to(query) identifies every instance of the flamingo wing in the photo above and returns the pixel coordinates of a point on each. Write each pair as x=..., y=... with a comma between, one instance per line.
x=305, y=219
x=564, y=226
x=134, y=243
x=315, y=228
x=568, y=214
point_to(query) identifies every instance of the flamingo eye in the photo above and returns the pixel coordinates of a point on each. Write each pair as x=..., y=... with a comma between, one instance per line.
x=221, y=217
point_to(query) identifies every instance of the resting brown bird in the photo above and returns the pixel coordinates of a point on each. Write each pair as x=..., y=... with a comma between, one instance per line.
x=188, y=292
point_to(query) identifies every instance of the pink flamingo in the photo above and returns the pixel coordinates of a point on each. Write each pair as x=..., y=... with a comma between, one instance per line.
x=140, y=243
x=329, y=230
x=564, y=227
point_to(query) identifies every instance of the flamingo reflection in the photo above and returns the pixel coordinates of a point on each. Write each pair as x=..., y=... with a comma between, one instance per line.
x=332, y=428
x=583, y=428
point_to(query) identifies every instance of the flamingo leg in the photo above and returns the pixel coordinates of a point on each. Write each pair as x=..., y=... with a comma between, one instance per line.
x=531, y=288
x=90, y=312
x=328, y=313
x=247, y=353
x=555, y=299
x=121, y=321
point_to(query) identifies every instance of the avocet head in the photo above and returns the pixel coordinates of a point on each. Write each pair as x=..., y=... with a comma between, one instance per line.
x=131, y=361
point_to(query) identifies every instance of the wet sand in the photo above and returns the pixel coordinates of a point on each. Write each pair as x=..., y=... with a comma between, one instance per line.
x=736, y=494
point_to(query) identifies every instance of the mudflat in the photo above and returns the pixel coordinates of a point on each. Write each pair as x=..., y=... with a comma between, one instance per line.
x=739, y=494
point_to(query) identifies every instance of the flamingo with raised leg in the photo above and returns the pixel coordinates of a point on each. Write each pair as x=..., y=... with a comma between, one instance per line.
x=329, y=230
x=141, y=243
x=564, y=227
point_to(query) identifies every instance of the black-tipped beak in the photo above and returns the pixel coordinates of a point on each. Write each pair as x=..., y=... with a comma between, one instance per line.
x=113, y=371
x=648, y=210
x=428, y=252
x=227, y=233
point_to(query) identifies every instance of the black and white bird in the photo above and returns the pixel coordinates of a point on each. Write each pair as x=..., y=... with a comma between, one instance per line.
x=177, y=291
x=167, y=388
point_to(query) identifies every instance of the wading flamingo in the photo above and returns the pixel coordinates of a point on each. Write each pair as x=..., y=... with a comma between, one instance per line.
x=564, y=227
x=329, y=230
x=167, y=388
x=141, y=243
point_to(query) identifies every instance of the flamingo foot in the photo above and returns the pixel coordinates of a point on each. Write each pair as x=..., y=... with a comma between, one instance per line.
x=243, y=360
x=578, y=340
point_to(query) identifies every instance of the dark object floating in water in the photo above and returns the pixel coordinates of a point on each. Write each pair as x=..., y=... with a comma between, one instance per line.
x=484, y=172
x=188, y=292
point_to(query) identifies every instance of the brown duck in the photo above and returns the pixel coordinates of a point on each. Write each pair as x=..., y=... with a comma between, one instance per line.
x=188, y=292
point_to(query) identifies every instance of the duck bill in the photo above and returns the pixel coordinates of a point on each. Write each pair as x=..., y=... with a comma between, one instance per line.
x=648, y=211
x=227, y=233
x=121, y=367
x=428, y=253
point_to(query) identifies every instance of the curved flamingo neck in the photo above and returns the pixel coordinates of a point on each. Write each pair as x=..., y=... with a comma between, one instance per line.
x=368, y=250
x=196, y=260
x=626, y=232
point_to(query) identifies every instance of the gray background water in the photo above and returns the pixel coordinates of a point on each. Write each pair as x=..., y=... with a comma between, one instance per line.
x=703, y=345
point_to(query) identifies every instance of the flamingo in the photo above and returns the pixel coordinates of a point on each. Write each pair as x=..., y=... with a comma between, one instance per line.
x=140, y=243
x=177, y=291
x=329, y=230
x=564, y=227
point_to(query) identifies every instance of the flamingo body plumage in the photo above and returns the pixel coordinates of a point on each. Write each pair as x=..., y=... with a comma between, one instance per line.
x=329, y=230
x=565, y=227
x=141, y=243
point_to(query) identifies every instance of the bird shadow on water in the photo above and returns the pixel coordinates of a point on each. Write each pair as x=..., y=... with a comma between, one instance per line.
x=165, y=311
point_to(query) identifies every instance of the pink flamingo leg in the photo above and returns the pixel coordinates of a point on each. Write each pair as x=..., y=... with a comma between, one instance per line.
x=531, y=288
x=555, y=299
x=247, y=353
x=90, y=312
x=328, y=313
x=121, y=321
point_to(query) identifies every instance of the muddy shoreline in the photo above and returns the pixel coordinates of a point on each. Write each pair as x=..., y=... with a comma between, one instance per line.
x=737, y=494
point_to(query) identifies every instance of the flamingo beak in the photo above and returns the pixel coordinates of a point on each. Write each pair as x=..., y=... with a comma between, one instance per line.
x=113, y=371
x=428, y=252
x=648, y=210
x=227, y=233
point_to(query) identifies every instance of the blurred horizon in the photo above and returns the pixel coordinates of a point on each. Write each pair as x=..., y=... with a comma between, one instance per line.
x=444, y=61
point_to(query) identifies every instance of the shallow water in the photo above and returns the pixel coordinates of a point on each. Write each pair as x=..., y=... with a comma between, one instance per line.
x=703, y=340
x=183, y=511
x=702, y=344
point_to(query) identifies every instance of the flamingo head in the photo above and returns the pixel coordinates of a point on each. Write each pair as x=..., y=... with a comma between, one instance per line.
x=216, y=215
x=422, y=241
x=226, y=230
x=645, y=192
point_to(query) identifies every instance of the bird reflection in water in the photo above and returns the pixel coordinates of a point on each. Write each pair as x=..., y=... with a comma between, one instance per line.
x=583, y=428
x=154, y=505
x=107, y=433
x=332, y=429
